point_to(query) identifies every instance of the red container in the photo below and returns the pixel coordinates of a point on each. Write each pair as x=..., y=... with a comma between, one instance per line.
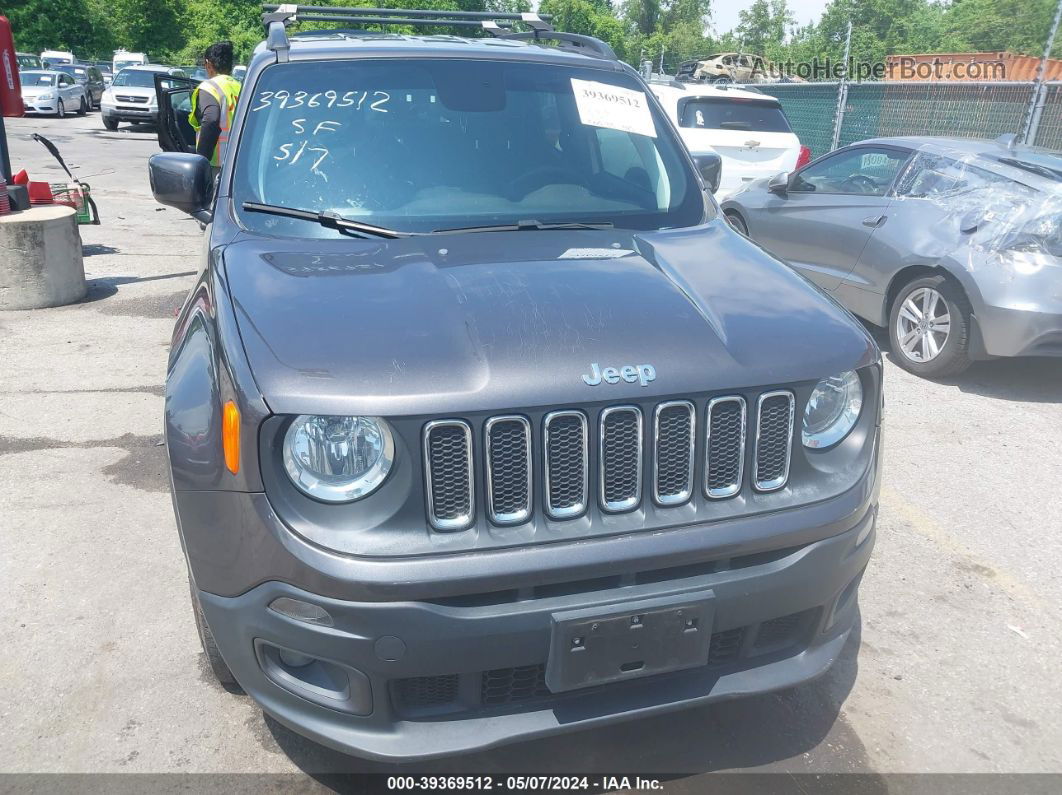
x=40, y=193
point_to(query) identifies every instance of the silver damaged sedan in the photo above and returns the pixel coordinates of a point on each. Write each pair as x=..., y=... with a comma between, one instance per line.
x=954, y=245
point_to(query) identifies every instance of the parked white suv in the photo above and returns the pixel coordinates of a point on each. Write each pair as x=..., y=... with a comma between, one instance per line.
x=747, y=129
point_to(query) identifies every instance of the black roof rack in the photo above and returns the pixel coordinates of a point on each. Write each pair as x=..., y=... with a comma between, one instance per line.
x=276, y=17
x=574, y=41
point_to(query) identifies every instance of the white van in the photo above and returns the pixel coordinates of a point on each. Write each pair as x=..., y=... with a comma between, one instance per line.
x=123, y=58
x=747, y=129
x=56, y=57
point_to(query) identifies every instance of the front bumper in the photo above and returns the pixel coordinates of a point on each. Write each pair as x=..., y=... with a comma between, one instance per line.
x=1009, y=331
x=129, y=113
x=446, y=654
x=46, y=106
x=440, y=678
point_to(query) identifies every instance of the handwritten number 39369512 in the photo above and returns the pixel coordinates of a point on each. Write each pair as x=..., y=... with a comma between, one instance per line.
x=286, y=100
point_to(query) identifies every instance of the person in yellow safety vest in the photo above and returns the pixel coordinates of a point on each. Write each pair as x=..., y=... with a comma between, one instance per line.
x=214, y=103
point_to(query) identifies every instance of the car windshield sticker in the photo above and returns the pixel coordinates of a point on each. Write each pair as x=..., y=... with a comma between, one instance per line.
x=604, y=105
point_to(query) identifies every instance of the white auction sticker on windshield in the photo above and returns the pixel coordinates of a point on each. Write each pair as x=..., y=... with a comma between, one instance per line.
x=604, y=105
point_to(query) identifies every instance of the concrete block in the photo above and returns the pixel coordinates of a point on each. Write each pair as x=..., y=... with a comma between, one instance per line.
x=40, y=258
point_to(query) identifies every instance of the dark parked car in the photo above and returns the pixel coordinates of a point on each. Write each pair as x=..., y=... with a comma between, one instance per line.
x=954, y=244
x=88, y=77
x=482, y=424
x=27, y=60
x=105, y=71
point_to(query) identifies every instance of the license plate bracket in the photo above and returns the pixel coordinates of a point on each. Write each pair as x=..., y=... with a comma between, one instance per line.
x=599, y=645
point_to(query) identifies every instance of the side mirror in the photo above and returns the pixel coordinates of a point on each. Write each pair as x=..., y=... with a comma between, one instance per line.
x=779, y=183
x=710, y=166
x=183, y=181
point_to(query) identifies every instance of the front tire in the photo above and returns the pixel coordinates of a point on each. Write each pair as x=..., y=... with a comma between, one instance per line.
x=929, y=327
x=737, y=222
x=82, y=109
x=218, y=666
x=60, y=109
x=110, y=124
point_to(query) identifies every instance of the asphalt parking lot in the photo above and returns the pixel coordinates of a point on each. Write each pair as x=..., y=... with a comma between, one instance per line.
x=956, y=667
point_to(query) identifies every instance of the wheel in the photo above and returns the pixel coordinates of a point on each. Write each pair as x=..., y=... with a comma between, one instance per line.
x=110, y=124
x=60, y=109
x=929, y=327
x=737, y=222
x=722, y=80
x=82, y=109
x=217, y=664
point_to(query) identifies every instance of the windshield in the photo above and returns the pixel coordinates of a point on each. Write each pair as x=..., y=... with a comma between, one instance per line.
x=28, y=60
x=421, y=145
x=138, y=78
x=732, y=113
x=37, y=79
x=76, y=71
x=119, y=64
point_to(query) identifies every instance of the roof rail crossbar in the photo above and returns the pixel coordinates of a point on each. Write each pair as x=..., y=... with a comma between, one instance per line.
x=458, y=23
x=276, y=17
x=409, y=13
x=576, y=41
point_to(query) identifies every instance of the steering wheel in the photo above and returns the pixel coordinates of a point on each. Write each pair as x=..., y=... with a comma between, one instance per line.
x=539, y=177
x=862, y=183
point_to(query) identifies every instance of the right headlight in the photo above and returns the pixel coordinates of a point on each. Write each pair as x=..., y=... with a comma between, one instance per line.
x=338, y=459
x=832, y=410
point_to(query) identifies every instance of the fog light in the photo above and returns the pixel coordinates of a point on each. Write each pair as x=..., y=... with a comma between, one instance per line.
x=301, y=611
x=325, y=682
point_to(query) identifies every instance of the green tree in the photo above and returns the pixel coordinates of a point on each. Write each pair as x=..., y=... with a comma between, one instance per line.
x=74, y=25
x=762, y=27
x=151, y=26
x=995, y=25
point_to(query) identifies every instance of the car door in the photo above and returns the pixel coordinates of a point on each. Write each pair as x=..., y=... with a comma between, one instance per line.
x=936, y=203
x=70, y=91
x=174, y=96
x=95, y=85
x=831, y=207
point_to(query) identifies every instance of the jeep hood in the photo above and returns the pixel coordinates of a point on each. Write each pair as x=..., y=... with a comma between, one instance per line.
x=492, y=321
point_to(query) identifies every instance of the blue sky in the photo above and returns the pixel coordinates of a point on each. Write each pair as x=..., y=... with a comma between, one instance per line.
x=725, y=12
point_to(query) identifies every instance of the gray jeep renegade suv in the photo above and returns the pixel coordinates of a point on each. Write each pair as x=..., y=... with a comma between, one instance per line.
x=482, y=422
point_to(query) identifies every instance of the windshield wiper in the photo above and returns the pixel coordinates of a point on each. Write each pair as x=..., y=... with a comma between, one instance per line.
x=329, y=220
x=521, y=226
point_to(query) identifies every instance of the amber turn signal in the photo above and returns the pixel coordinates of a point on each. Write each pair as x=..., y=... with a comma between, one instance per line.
x=230, y=436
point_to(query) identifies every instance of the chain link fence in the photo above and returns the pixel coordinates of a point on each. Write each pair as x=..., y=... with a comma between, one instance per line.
x=947, y=108
x=1049, y=129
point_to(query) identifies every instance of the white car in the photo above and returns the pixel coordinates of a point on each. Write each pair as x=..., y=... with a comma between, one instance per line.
x=131, y=95
x=747, y=129
x=46, y=91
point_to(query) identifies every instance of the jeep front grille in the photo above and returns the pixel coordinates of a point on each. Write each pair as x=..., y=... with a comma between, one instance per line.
x=774, y=439
x=449, y=478
x=514, y=455
x=508, y=469
x=725, y=447
x=567, y=464
x=674, y=433
x=620, y=458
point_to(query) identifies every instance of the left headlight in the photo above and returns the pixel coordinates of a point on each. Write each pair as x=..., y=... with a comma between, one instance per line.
x=832, y=410
x=338, y=459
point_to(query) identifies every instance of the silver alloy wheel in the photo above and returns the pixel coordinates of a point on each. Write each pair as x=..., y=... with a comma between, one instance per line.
x=923, y=324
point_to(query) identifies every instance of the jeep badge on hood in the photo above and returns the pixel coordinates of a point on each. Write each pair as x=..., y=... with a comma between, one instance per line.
x=628, y=372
